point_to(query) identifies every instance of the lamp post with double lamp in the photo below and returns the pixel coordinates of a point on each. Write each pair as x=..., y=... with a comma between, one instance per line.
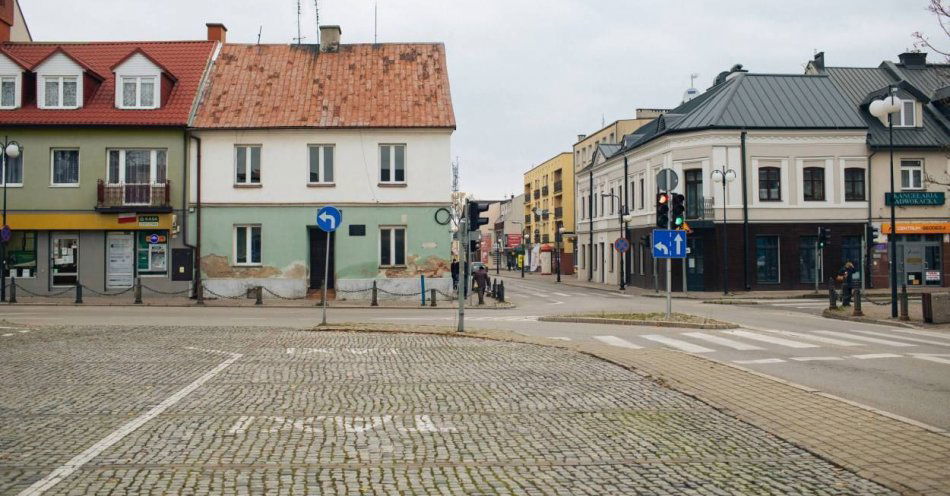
x=11, y=150
x=624, y=217
x=889, y=106
x=522, y=244
x=541, y=214
x=724, y=176
x=558, y=239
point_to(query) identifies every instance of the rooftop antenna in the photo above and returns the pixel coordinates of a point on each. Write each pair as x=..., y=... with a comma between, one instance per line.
x=375, y=23
x=316, y=10
x=455, y=175
x=603, y=120
x=298, y=38
x=692, y=79
x=259, y=31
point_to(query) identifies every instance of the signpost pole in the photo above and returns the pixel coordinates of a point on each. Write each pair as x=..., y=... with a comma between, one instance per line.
x=463, y=248
x=816, y=266
x=326, y=272
x=669, y=263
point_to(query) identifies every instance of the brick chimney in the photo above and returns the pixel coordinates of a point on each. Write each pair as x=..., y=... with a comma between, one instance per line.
x=330, y=38
x=216, y=32
x=7, y=18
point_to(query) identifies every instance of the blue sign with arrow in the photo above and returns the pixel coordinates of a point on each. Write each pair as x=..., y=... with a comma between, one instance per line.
x=669, y=244
x=329, y=218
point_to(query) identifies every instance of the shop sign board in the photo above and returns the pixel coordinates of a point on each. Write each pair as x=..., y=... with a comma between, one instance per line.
x=915, y=198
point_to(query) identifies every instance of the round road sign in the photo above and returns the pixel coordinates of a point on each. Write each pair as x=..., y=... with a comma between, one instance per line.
x=622, y=245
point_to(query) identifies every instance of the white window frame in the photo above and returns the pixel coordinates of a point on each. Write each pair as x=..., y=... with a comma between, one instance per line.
x=901, y=116
x=392, y=163
x=249, y=262
x=392, y=245
x=920, y=174
x=153, y=164
x=321, y=166
x=156, y=92
x=16, y=91
x=60, y=96
x=3, y=172
x=52, y=164
x=247, y=165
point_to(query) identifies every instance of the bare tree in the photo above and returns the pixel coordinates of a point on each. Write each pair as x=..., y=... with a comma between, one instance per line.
x=942, y=13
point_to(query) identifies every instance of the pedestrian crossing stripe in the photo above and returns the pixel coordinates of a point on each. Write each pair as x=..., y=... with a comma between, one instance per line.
x=678, y=344
x=618, y=342
x=867, y=339
x=729, y=343
x=771, y=339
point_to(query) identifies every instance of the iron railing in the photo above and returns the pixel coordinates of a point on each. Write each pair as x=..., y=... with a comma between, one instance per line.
x=699, y=208
x=115, y=195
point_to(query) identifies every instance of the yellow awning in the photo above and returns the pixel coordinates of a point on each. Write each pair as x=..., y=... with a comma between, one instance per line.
x=80, y=221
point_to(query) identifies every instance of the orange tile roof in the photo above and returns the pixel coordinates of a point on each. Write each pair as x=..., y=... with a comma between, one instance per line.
x=362, y=85
x=184, y=60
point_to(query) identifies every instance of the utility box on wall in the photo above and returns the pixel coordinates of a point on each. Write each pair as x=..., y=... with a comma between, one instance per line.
x=183, y=264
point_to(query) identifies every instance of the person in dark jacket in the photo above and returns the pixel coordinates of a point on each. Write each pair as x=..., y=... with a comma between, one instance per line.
x=847, y=284
x=455, y=273
x=481, y=283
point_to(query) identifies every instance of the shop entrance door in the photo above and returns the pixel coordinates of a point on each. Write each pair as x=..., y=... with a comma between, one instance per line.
x=64, y=259
x=694, y=264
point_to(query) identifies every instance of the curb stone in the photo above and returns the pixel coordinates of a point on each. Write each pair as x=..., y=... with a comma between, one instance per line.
x=828, y=314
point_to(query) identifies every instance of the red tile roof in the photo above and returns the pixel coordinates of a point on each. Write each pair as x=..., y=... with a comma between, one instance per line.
x=184, y=60
x=362, y=85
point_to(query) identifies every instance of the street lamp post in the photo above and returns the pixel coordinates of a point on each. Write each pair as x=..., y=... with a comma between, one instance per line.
x=11, y=149
x=624, y=217
x=558, y=238
x=879, y=108
x=725, y=176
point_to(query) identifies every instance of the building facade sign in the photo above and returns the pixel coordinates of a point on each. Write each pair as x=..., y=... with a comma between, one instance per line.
x=915, y=198
x=918, y=228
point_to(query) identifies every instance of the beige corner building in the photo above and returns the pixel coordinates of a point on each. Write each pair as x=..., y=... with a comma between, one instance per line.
x=549, y=206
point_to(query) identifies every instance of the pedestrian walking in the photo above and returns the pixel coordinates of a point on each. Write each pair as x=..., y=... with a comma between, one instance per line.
x=481, y=283
x=846, y=278
x=455, y=273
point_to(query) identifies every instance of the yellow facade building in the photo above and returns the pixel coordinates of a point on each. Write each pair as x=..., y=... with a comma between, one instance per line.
x=549, y=205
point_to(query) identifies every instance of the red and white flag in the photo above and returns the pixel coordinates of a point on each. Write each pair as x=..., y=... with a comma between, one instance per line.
x=126, y=218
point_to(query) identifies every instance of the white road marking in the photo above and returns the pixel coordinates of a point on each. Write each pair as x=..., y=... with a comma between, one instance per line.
x=563, y=294
x=560, y=338
x=771, y=339
x=8, y=334
x=820, y=339
x=676, y=343
x=865, y=338
x=800, y=304
x=241, y=425
x=729, y=343
x=615, y=341
x=922, y=333
x=875, y=355
x=46, y=483
x=761, y=360
x=556, y=302
x=815, y=358
x=916, y=340
x=24, y=331
x=932, y=358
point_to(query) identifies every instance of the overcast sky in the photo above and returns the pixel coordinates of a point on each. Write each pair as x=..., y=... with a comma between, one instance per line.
x=528, y=76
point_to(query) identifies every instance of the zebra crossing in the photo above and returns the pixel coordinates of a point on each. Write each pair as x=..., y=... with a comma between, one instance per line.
x=898, y=344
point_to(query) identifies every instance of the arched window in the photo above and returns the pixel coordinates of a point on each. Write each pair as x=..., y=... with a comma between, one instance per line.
x=770, y=184
x=813, y=183
x=854, y=184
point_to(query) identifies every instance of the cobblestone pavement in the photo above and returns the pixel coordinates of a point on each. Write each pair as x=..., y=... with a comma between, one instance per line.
x=232, y=410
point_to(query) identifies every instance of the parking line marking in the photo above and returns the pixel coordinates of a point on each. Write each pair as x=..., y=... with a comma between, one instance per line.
x=65, y=470
x=761, y=360
x=865, y=338
x=875, y=355
x=676, y=343
x=815, y=358
x=736, y=345
x=932, y=358
x=771, y=339
x=615, y=341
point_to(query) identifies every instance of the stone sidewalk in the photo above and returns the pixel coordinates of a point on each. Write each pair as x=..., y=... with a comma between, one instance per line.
x=899, y=453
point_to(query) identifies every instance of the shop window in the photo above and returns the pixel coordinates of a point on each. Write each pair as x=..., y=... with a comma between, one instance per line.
x=807, y=255
x=152, y=253
x=767, y=259
x=21, y=255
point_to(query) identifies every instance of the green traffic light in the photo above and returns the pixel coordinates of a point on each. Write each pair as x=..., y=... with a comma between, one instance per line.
x=678, y=221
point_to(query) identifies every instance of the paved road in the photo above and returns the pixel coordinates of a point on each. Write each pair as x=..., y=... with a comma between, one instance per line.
x=265, y=410
x=901, y=371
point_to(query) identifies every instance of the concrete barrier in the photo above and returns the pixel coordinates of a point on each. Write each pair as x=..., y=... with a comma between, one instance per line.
x=936, y=307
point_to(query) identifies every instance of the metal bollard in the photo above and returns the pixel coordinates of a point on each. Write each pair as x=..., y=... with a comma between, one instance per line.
x=501, y=292
x=138, y=291
x=375, y=301
x=79, y=293
x=259, y=294
x=904, y=315
x=856, y=312
x=199, y=293
x=432, y=298
x=12, y=290
x=494, y=288
x=422, y=287
x=832, y=295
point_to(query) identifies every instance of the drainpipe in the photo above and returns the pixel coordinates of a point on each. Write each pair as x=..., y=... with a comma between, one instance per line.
x=624, y=210
x=745, y=214
x=867, y=242
x=184, y=191
x=199, y=292
x=590, y=222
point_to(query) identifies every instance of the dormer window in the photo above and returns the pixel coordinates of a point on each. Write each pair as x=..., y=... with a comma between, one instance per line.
x=139, y=92
x=908, y=114
x=61, y=91
x=8, y=92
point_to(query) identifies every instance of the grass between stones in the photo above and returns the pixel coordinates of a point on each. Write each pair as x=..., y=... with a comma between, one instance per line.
x=646, y=318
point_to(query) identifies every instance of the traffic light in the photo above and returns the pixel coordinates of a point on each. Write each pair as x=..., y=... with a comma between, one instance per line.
x=872, y=235
x=474, y=219
x=824, y=234
x=662, y=210
x=474, y=245
x=679, y=210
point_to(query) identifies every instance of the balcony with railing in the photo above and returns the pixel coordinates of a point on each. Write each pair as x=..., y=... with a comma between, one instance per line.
x=537, y=194
x=699, y=209
x=122, y=197
x=558, y=186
